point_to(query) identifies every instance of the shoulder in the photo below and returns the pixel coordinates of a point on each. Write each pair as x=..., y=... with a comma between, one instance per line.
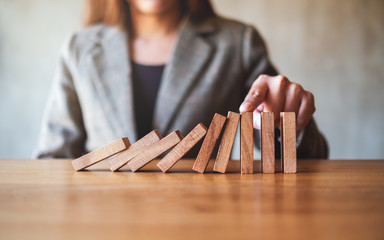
x=245, y=32
x=227, y=26
x=84, y=40
x=94, y=33
x=228, y=31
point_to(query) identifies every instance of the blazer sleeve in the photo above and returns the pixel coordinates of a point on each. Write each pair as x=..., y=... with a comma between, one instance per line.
x=256, y=62
x=62, y=133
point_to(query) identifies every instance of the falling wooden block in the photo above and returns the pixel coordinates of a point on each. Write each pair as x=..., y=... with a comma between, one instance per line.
x=288, y=141
x=125, y=156
x=155, y=150
x=246, y=142
x=226, y=142
x=100, y=154
x=267, y=142
x=209, y=143
x=183, y=147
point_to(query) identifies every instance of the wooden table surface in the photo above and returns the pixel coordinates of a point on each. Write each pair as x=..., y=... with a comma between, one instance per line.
x=46, y=199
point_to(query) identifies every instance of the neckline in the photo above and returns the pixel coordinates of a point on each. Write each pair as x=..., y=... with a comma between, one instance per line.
x=147, y=66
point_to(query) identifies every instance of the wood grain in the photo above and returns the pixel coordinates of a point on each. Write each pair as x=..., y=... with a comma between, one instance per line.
x=183, y=147
x=209, y=143
x=224, y=152
x=100, y=154
x=288, y=141
x=246, y=142
x=327, y=199
x=267, y=142
x=125, y=156
x=155, y=150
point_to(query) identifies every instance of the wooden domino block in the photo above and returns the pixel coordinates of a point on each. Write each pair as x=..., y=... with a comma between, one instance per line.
x=100, y=154
x=226, y=142
x=183, y=147
x=246, y=142
x=267, y=142
x=125, y=156
x=155, y=150
x=209, y=143
x=288, y=141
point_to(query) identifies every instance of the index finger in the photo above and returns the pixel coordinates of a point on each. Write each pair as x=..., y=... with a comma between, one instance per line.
x=256, y=95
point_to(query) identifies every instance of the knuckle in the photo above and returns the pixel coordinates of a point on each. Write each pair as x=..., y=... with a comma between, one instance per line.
x=256, y=93
x=296, y=89
x=282, y=78
x=310, y=97
x=281, y=81
x=261, y=77
x=253, y=93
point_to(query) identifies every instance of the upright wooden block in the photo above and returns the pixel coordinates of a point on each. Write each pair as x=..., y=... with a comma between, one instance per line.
x=125, y=156
x=100, y=154
x=246, y=142
x=288, y=141
x=183, y=147
x=155, y=150
x=209, y=143
x=267, y=142
x=226, y=142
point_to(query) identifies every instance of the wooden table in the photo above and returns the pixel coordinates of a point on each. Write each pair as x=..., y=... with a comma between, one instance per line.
x=46, y=199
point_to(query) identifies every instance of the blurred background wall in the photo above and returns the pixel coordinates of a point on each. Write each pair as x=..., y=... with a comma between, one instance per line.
x=333, y=48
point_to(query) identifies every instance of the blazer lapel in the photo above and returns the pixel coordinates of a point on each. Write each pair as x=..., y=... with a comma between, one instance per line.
x=111, y=75
x=191, y=53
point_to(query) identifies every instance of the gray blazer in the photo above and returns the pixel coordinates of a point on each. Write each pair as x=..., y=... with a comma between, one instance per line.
x=211, y=69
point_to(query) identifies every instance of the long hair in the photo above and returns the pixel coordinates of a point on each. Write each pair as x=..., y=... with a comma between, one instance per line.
x=117, y=13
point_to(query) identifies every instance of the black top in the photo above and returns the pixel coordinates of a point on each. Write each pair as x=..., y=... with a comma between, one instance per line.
x=146, y=83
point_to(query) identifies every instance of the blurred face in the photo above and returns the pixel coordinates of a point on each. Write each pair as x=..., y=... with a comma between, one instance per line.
x=154, y=7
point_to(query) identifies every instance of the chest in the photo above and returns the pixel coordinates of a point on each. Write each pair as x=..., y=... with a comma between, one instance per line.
x=152, y=51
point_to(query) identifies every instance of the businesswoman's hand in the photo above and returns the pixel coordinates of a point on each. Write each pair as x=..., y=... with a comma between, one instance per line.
x=278, y=94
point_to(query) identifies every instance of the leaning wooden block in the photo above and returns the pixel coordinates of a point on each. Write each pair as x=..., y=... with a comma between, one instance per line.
x=226, y=142
x=183, y=147
x=125, y=156
x=155, y=150
x=246, y=142
x=100, y=154
x=209, y=143
x=288, y=141
x=267, y=142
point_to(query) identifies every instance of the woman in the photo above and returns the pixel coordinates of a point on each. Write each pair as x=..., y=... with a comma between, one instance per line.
x=164, y=64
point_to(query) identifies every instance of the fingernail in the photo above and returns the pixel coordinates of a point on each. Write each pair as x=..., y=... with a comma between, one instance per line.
x=244, y=107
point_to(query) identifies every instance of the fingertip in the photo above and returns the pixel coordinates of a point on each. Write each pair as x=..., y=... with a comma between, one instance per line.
x=244, y=107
